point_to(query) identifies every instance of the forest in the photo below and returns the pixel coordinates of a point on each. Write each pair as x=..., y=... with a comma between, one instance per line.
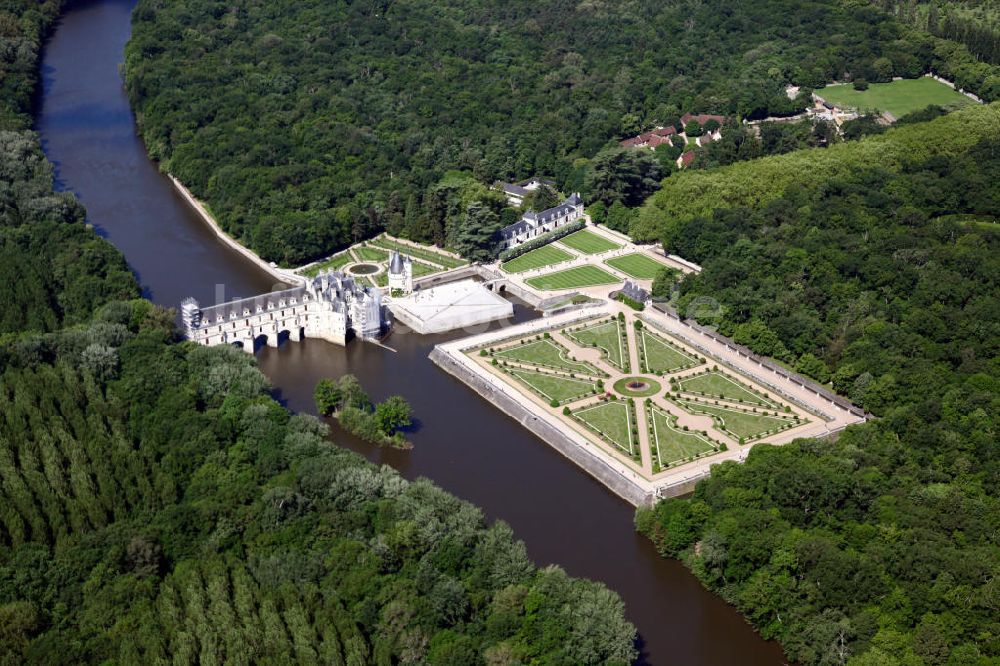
x=308, y=125
x=972, y=23
x=877, y=274
x=157, y=505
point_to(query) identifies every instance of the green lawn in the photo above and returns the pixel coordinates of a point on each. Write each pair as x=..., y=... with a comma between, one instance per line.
x=896, y=97
x=588, y=242
x=637, y=265
x=543, y=256
x=425, y=253
x=420, y=269
x=367, y=253
x=613, y=420
x=671, y=444
x=548, y=353
x=717, y=384
x=572, y=278
x=658, y=355
x=554, y=387
x=737, y=422
x=608, y=337
x=336, y=262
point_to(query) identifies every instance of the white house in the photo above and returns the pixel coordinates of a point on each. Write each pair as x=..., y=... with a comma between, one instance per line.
x=534, y=224
x=516, y=192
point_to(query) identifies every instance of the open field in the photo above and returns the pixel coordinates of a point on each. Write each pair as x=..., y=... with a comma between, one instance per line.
x=588, y=242
x=658, y=355
x=607, y=336
x=335, y=263
x=537, y=258
x=613, y=421
x=738, y=422
x=427, y=254
x=553, y=387
x=720, y=385
x=637, y=265
x=572, y=278
x=550, y=354
x=896, y=97
x=672, y=444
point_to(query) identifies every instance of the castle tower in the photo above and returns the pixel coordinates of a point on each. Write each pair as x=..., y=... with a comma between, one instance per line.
x=400, y=273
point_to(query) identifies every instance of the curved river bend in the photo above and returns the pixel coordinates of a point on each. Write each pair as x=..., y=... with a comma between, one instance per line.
x=463, y=443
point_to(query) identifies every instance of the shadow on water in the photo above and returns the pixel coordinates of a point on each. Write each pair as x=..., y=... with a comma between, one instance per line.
x=461, y=441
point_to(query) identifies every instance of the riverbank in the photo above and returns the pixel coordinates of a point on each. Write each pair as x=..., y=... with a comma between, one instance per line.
x=281, y=274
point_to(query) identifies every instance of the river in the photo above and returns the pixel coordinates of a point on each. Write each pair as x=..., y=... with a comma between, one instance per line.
x=462, y=442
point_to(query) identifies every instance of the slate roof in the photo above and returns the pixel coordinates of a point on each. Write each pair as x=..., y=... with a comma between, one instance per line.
x=395, y=262
x=635, y=292
x=531, y=219
x=262, y=303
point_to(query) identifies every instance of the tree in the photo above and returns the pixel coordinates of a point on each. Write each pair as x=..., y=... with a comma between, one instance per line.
x=542, y=198
x=622, y=175
x=476, y=239
x=328, y=396
x=860, y=84
x=352, y=394
x=693, y=129
x=392, y=414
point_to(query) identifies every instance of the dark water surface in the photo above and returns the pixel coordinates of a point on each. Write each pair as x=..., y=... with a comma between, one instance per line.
x=462, y=442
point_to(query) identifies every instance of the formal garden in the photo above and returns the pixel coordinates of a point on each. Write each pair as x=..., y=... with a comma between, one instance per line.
x=613, y=421
x=556, y=388
x=743, y=424
x=572, y=278
x=427, y=260
x=609, y=337
x=637, y=265
x=659, y=356
x=546, y=255
x=659, y=405
x=717, y=384
x=588, y=242
x=672, y=444
x=547, y=353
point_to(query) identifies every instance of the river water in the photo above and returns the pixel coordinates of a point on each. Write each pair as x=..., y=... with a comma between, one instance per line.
x=461, y=442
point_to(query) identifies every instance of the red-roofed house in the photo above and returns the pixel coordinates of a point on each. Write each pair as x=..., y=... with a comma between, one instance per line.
x=686, y=159
x=701, y=118
x=650, y=139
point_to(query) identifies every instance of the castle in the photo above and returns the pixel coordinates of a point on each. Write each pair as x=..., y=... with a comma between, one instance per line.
x=329, y=306
x=400, y=274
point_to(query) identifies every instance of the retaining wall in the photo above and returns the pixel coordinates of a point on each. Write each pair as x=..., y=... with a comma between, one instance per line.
x=552, y=436
x=279, y=274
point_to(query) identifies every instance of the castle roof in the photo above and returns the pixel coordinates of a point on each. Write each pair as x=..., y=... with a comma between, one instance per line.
x=395, y=262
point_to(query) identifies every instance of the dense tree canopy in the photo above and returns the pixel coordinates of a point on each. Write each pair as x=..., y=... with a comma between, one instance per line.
x=874, y=265
x=158, y=506
x=300, y=122
x=163, y=507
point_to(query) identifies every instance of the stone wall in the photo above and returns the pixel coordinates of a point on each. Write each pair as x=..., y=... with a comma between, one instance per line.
x=552, y=436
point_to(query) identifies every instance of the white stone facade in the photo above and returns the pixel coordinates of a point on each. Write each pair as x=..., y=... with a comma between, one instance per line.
x=534, y=224
x=328, y=307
